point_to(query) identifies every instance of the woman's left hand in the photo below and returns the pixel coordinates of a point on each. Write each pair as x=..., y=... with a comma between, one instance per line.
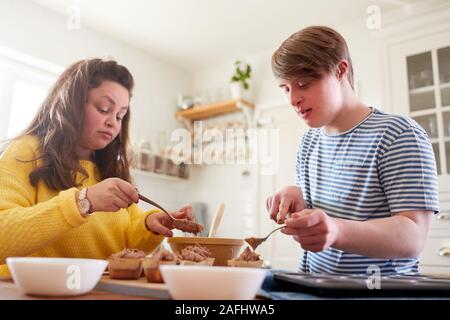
x=161, y=223
x=313, y=229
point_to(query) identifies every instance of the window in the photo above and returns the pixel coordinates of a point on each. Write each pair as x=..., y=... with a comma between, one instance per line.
x=24, y=84
x=26, y=98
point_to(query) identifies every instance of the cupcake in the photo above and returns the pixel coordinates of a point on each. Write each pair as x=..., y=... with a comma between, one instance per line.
x=126, y=264
x=247, y=259
x=151, y=265
x=196, y=255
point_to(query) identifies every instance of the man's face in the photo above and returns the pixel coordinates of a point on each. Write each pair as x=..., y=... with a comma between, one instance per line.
x=107, y=105
x=316, y=101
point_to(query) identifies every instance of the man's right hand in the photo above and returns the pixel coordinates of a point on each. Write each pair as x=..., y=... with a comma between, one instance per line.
x=287, y=200
x=111, y=195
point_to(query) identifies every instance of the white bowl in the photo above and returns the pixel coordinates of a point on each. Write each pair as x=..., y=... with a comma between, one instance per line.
x=56, y=276
x=212, y=283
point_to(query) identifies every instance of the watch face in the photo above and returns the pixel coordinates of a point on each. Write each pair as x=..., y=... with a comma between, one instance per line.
x=84, y=206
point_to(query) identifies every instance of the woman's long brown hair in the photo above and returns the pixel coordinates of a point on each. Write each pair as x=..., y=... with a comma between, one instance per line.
x=58, y=125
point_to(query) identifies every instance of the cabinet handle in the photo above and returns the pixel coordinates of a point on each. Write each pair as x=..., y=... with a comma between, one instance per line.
x=441, y=216
x=444, y=252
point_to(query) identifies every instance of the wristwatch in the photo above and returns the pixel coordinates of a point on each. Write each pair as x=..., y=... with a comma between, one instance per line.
x=83, y=203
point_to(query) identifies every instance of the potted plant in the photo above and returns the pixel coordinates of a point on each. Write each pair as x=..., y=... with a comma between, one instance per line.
x=240, y=78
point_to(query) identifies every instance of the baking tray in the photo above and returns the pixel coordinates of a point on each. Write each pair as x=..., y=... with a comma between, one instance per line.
x=351, y=285
x=137, y=288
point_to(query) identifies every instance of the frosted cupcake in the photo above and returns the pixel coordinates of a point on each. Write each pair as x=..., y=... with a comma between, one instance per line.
x=126, y=264
x=247, y=259
x=151, y=265
x=196, y=255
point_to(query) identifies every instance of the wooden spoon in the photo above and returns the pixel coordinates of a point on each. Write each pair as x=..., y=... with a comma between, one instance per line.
x=216, y=221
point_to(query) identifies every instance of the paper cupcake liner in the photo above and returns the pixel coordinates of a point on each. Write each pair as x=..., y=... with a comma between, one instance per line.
x=206, y=262
x=151, y=269
x=125, y=269
x=149, y=263
x=245, y=264
x=124, y=264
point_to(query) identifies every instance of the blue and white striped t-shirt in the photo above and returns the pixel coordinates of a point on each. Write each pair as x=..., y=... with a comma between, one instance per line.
x=382, y=166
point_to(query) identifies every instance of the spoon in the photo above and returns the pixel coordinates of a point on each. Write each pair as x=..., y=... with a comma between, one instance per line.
x=255, y=242
x=145, y=199
x=180, y=224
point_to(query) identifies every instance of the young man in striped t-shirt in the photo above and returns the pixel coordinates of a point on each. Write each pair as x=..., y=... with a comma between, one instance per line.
x=366, y=183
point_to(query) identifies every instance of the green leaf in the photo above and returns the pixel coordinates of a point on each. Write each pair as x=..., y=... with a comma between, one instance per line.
x=242, y=73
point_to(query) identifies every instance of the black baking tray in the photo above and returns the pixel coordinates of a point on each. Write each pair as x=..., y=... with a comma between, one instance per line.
x=357, y=285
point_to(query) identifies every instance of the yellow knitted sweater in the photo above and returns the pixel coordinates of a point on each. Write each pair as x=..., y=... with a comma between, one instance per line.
x=37, y=221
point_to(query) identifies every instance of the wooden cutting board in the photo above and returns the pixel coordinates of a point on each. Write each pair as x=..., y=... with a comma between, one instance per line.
x=137, y=288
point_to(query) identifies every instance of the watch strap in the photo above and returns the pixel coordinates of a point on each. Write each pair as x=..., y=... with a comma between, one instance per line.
x=84, y=204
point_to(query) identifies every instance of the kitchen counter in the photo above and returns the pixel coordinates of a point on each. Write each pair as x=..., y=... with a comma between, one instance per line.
x=108, y=289
x=9, y=291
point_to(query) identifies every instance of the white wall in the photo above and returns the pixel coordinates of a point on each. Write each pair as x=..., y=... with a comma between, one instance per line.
x=366, y=49
x=365, y=52
x=33, y=30
x=233, y=186
x=38, y=32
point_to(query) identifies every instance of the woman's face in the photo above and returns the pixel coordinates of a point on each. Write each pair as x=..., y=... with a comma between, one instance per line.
x=107, y=105
x=317, y=102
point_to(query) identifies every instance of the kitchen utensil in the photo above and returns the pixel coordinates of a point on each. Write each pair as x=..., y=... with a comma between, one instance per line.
x=145, y=199
x=55, y=276
x=137, y=288
x=354, y=285
x=255, y=242
x=212, y=283
x=180, y=224
x=216, y=221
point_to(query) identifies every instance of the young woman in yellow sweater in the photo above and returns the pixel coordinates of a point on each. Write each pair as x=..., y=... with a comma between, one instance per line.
x=65, y=186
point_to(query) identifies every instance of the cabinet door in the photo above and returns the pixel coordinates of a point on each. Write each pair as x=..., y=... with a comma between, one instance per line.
x=280, y=250
x=420, y=88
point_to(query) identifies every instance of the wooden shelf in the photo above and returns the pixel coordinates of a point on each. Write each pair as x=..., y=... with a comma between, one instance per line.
x=136, y=173
x=213, y=110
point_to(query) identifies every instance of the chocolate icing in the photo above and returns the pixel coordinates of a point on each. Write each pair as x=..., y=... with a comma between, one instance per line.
x=195, y=253
x=187, y=226
x=128, y=253
x=248, y=255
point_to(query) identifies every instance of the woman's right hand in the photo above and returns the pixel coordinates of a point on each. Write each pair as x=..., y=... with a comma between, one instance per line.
x=287, y=200
x=111, y=194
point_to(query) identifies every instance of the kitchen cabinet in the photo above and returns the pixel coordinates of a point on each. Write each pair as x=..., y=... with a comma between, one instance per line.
x=420, y=80
x=420, y=88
